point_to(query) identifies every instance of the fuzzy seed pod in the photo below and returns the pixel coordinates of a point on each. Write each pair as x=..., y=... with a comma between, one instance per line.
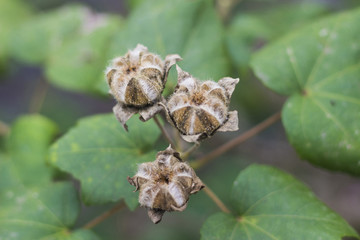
x=165, y=184
x=199, y=109
x=137, y=81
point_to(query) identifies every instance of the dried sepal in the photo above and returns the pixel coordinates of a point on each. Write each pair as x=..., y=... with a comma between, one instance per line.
x=199, y=109
x=137, y=81
x=165, y=184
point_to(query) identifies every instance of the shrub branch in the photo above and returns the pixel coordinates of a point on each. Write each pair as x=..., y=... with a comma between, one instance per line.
x=104, y=216
x=164, y=133
x=4, y=129
x=216, y=200
x=38, y=96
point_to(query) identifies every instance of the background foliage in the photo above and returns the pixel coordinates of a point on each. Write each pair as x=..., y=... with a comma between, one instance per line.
x=60, y=167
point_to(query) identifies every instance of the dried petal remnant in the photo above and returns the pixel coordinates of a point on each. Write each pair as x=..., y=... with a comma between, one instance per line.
x=137, y=81
x=165, y=184
x=199, y=109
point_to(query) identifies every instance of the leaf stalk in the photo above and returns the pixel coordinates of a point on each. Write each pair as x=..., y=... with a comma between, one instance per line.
x=104, y=216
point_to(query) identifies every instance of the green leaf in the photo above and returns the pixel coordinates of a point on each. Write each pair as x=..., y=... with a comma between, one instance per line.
x=270, y=204
x=289, y=16
x=32, y=207
x=28, y=144
x=204, y=54
x=132, y=4
x=243, y=34
x=78, y=64
x=101, y=155
x=188, y=28
x=248, y=31
x=319, y=67
x=82, y=234
x=12, y=13
x=37, y=212
x=36, y=39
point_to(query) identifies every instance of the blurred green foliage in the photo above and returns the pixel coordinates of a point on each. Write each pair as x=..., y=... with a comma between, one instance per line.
x=12, y=13
x=72, y=45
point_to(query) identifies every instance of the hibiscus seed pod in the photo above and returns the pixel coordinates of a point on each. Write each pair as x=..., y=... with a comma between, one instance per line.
x=199, y=109
x=137, y=81
x=165, y=184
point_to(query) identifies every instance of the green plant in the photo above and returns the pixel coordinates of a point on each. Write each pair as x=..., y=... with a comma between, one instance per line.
x=312, y=59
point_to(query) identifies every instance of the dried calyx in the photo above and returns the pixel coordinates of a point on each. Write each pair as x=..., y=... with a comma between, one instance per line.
x=165, y=184
x=137, y=81
x=199, y=109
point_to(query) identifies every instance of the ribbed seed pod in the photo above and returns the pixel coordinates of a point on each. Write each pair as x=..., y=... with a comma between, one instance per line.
x=199, y=109
x=165, y=184
x=137, y=81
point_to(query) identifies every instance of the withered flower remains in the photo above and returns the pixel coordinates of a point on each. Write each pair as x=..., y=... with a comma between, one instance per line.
x=136, y=81
x=199, y=109
x=165, y=184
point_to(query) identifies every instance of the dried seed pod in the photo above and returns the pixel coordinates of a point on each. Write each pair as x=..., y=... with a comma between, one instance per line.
x=165, y=184
x=137, y=81
x=199, y=109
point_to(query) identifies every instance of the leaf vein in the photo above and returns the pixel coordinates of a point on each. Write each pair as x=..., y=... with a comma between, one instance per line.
x=261, y=230
x=332, y=117
x=321, y=55
x=29, y=222
x=266, y=196
x=333, y=76
x=338, y=97
x=295, y=216
x=246, y=231
x=293, y=62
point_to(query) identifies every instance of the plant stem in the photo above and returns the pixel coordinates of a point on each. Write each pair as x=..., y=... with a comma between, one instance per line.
x=224, y=8
x=177, y=139
x=163, y=131
x=104, y=216
x=216, y=200
x=4, y=129
x=187, y=153
x=38, y=96
x=236, y=141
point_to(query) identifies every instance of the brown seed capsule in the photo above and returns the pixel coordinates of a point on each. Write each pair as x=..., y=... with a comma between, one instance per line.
x=199, y=109
x=136, y=81
x=165, y=184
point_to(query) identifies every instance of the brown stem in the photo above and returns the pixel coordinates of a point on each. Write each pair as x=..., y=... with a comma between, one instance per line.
x=236, y=141
x=224, y=8
x=177, y=139
x=216, y=200
x=164, y=133
x=187, y=153
x=38, y=96
x=4, y=129
x=104, y=216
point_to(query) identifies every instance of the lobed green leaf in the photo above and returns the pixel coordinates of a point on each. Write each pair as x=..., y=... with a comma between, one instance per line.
x=41, y=212
x=270, y=204
x=319, y=67
x=248, y=31
x=12, y=13
x=28, y=144
x=36, y=39
x=101, y=155
x=78, y=64
x=32, y=207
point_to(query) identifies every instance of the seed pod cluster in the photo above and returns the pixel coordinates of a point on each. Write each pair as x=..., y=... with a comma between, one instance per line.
x=137, y=81
x=165, y=184
x=199, y=109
